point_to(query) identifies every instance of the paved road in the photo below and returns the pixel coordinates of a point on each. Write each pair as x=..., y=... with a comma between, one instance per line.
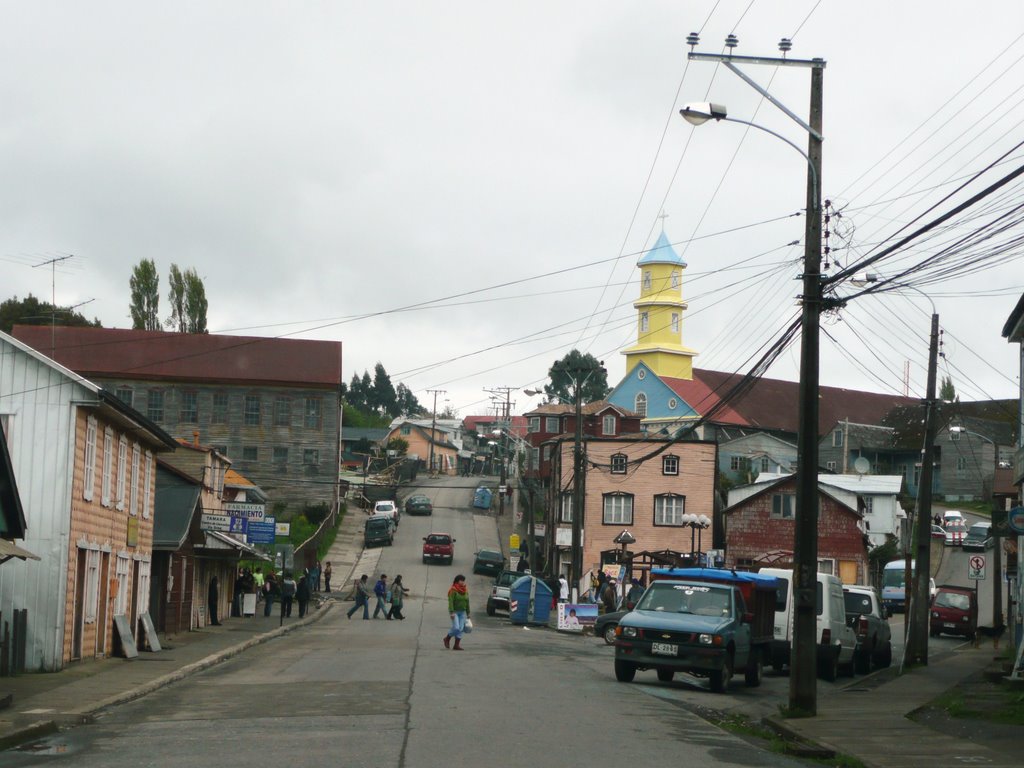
x=379, y=693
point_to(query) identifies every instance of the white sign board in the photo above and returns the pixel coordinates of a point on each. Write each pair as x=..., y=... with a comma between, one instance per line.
x=242, y=509
x=215, y=523
x=563, y=537
x=976, y=567
x=282, y=529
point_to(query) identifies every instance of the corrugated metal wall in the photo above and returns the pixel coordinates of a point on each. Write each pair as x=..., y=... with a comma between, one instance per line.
x=36, y=406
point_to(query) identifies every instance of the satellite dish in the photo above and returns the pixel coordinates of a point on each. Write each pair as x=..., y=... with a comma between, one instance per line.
x=861, y=466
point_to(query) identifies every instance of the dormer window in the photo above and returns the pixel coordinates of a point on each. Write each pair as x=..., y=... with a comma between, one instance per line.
x=618, y=464
x=608, y=425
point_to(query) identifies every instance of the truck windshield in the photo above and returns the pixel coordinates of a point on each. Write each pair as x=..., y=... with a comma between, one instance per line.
x=893, y=577
x=686, y=598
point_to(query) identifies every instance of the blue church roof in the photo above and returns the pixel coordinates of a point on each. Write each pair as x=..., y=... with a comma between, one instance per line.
x=661, y=253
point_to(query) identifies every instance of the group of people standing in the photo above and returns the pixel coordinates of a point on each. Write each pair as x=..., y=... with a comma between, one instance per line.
x=290, y=590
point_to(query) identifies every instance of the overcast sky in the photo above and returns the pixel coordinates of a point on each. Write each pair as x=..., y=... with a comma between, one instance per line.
x=326, y=167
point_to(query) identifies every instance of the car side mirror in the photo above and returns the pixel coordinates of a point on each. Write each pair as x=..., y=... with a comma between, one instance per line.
x=748, y=618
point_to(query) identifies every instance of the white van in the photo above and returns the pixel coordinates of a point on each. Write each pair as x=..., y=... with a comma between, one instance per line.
x=894, y=596
x=837, y=642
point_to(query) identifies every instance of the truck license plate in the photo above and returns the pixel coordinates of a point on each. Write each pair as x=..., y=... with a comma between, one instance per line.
x=665, y=649
x=949, y=625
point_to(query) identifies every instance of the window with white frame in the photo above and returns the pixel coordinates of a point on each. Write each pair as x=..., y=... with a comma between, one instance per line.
x=106, y=482
x=669, y=509
x=551, y=425
x=675, y=322
x=133, y=499
x=91, y=588
x=618, y=509
x=565, y=515
x=670, y=465
x=645, y=322
x=739, y=463
x=608, y=424
x=640, y=405
x=766, y=464
x=647, y=280
x=961, y=467
x=675, y=278
x=830, y=466
x=545, y=452
x=147, y=486
x=954, y=435
x=143, y=603
x=618, y=464
x=869, y=504
x=837, y=439
x=89, y=473
x=121, y=575
x=534, y=426
x=783, y=506
x=535, y=457
x=122, y=471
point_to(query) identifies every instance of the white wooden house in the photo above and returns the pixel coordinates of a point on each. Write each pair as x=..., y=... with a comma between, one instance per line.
x=85, y=470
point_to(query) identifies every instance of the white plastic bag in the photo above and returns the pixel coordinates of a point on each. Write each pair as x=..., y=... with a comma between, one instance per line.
x=468, y=627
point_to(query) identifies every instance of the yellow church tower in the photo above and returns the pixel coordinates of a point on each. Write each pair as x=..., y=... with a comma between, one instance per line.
x=660, y=315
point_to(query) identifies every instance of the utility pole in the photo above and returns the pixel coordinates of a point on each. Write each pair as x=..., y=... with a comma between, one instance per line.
x=433, y=423
x=917, y=636
x=505, y=421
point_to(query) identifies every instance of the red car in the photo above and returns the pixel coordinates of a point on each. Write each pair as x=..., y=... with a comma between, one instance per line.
x=954, y=611
x=438, y=547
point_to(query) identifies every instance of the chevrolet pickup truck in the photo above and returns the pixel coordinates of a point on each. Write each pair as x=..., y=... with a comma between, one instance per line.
x=864, y=615
x=704, y=621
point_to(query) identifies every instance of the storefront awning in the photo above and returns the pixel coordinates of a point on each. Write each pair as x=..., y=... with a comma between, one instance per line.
x=218, y=540
x=9, y=549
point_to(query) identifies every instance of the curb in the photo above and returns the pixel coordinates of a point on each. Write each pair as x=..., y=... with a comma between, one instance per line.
x=49, y=727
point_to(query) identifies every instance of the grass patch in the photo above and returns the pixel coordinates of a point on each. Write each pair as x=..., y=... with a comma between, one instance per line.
x=768, y=739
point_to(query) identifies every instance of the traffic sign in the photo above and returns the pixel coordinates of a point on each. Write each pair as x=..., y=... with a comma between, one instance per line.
x=976, y=567
x=1015, y=519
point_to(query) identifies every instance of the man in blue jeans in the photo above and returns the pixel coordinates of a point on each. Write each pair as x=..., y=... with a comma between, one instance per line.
x=380, y=589
x=362, y=598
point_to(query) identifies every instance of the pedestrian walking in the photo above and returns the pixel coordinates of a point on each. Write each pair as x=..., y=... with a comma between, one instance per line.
x=362, y=592
x=211, y=601
x=563, y=589
x=380, y=590
x=398, y=593
x=287, y=594
x=302, y=594
x=608, y=596
x=271, y=590
x=458, y=610
x=636, y=591
x=327, y=576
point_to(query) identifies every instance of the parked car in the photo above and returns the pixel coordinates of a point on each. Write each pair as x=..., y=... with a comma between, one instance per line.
x=938, y=532
x=388, y=508
x=865, y=615
x=954, y=611
x=605, y=625
x=489, y=561
x=418, y=505
x=978, y=538
x=438, y=547
x=497, y=600
x=378, y=529
x=837, y=642
x=956, y=531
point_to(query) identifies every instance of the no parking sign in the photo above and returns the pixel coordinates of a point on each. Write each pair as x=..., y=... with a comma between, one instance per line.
x=976, y=567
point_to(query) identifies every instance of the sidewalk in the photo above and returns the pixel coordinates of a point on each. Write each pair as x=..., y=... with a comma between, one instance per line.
x=43, y=702
x=871, y=721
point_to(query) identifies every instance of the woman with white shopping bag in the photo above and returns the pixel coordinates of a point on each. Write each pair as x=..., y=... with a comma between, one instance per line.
x=458, y=610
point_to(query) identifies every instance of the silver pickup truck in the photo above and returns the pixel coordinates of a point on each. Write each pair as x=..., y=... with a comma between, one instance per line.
x=867, y=618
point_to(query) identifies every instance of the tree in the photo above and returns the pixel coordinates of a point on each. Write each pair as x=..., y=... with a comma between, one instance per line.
x=385, y=399
x=145, y=304
x=195, y=303
x=176, y=298
x=947, y=392
x=585, y=369
x=408, y=405
x=32, y=311
x=399, y=445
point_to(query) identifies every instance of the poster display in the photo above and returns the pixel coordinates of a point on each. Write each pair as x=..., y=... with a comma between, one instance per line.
x=573, y=617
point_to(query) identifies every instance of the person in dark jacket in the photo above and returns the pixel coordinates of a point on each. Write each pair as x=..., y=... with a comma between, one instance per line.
x=362, y=596
x=302, y=593
x=287, y=594
x=212, y=596
x=380, y=590
x=271, y=590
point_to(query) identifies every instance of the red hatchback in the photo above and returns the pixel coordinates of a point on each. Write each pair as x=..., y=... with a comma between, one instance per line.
x=954, y=611
x=438, y=547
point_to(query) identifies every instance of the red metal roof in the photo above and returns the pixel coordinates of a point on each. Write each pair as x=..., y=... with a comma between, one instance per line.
x=120, y=353
x=774, y=403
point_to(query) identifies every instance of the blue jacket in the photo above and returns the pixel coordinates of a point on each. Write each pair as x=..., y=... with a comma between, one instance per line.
x=380, y=589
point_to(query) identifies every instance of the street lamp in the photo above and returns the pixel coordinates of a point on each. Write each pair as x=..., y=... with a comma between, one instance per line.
x=624, y=539
x=697, y=525
x=803, y=684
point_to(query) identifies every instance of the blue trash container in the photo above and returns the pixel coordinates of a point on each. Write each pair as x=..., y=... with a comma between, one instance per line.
x=482, y=498
x=529, y=601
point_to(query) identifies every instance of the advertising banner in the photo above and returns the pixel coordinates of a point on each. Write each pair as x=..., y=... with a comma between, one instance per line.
x=215, y=523
x=262, y=531
x=246, y=510
x=572, y=617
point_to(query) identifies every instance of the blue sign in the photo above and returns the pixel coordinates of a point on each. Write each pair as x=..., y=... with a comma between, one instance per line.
x=262, y=531
x=1016, y=520
x=239, y=525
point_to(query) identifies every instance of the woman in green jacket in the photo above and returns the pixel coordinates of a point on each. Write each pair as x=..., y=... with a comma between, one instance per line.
x=458, y=609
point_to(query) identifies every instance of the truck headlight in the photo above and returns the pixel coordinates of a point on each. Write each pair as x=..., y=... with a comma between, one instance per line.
x=629, y=632
x=706, y=639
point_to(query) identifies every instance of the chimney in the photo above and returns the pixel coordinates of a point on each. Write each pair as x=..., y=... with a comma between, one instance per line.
x=195, y=438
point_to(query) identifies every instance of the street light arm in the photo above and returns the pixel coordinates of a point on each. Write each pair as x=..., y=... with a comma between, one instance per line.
x=804, y=155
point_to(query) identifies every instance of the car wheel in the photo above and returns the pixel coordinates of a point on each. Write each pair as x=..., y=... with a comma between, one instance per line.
x=609, y=633
x=828, y=667
x=884, y=657
x=720, y=678
x=755, y=671
x=624, y=671
x=666, y=675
